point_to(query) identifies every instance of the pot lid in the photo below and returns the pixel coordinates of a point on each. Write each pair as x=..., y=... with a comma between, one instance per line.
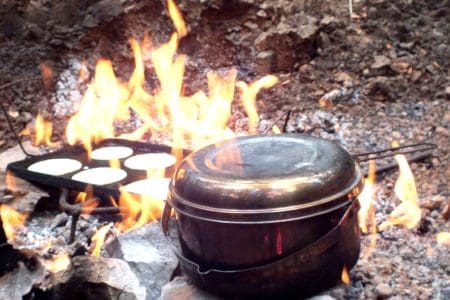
x=266, y=173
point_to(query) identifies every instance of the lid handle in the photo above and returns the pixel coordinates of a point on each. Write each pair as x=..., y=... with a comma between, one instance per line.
x=405, y=149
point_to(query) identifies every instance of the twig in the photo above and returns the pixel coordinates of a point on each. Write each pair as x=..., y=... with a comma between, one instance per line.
x=18, y=81
x=350, y=8
x=286, y=121
x=287, y=113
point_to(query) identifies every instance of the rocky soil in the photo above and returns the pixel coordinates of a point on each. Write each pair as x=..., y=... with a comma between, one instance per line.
x=381, y=75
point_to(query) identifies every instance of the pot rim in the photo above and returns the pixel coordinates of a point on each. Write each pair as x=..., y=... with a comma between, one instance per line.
x=268, y=215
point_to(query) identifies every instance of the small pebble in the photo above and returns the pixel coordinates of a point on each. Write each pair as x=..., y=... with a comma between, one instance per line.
x=383, y=290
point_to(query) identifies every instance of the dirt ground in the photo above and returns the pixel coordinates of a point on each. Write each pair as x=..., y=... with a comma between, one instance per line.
x=382, y=75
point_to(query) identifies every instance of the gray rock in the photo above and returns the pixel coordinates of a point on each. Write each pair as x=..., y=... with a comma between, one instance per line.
x=264, y=62
x=380, y=62
x=383, y=290
x=292, y=40
x=18, y=283
x=445, y=293
x=148, y=254
x=181, y=289
x=322, y=297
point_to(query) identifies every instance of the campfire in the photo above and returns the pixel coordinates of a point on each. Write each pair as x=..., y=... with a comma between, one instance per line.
x=247, y=211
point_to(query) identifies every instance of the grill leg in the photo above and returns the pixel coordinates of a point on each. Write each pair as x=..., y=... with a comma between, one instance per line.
x=73, y=227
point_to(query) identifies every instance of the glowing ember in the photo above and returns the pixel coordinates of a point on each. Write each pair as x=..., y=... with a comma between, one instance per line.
x=443, y=238
x=57, y=263
x=47, y=74
x=345, y=276
x=10, y=181
x=407, y=213
x=12, y=221
x=99, y=238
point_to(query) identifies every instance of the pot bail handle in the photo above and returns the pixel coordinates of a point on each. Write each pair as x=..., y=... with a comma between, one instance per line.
x=317, y=247
x=405, y=149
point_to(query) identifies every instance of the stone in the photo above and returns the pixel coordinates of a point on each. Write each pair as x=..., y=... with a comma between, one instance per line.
x=148, y=254
x=383, y=290
x=408, y=45
x=432, y=69
x=445, y=293
x=264, y=62
x=327, y=20
x=261, y=13
x=442, y=130
x=106, y=10
x=89, y=21
x=380, y=61
x=18, y=283
x=35, y=32
x=181, y=289
x=447, y=92
x=292, y=40
x=415, y=75
x=112, y=278
x=342, y=76
x=400, y=67
x=322, y=297
x=251, y=25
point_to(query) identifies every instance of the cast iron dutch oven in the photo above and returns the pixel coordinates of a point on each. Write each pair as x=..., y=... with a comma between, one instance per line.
x=265, y=214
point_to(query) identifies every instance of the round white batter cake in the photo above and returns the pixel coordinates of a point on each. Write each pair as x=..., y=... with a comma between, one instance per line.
x=156, y=188
x=56, y=166
x=100, y=176
x=111, y=152
x=149, y=161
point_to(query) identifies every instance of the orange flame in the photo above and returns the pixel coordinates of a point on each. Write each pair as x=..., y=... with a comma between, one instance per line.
x=193, y=121
x=12, y=221
x=345, y=276
x=366, y=214
x=137, y=210
x=103, y=103
x=443, y=238
x=10, y=181
x=249, y=93
x=177, y=18
x=57, y=263
x=99, y=239
x=43, y=130
x=407, y=213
